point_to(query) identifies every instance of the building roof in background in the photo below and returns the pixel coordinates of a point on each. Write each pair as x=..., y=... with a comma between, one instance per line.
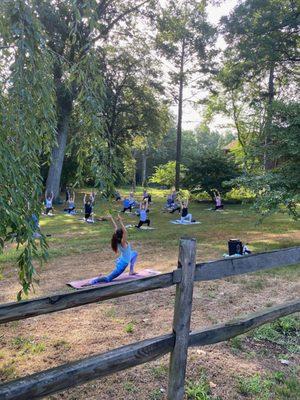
x=232, y=145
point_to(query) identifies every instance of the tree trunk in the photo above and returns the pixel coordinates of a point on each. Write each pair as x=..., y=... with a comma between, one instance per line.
x=64, y=98
x=144, y=168
x=133, y=184
x=57, y=159
x=179, y=121
x=268, y=162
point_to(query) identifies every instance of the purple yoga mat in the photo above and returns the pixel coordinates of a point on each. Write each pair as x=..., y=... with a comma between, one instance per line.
x=145, y=273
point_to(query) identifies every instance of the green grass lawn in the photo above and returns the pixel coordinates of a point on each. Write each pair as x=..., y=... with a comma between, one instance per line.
x=71, y=236
x=247, y=365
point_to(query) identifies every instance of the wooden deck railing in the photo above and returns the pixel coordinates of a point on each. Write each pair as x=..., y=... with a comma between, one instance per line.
x=78, y=372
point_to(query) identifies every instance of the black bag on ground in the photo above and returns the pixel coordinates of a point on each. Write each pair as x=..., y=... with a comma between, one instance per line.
x=235, y=246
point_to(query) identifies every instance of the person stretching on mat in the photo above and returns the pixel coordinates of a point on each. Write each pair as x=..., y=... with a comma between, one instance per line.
x=185, y=216
x=218, y=200
x=88, y=208
x=71, y=204
x=48, y=202
x=127, y=255
x=143, y=214
x=126, y=205
x=68, y=194
x=147, y=196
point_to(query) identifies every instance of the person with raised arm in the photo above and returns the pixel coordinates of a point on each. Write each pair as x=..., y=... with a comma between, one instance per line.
x=127, y=256
x=185, y=216
x=88, y=207
x=48, y=202
x=218, y=200
x=144, y=209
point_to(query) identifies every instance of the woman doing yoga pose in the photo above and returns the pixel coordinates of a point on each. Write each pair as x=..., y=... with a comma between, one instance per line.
x=71, y=204
x=48, y=202
x=218, y=200
x=185, y=216
x=127, y=255
x=143, y=214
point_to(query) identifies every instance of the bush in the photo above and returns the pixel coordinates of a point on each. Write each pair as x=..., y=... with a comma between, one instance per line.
x=165, y=174
x=210, y=171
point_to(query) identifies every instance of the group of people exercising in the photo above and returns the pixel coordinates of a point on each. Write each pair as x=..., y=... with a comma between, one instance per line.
x=119, y=242
x=70, y=207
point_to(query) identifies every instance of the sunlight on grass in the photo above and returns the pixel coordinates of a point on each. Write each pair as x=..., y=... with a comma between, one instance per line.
x=69, y=235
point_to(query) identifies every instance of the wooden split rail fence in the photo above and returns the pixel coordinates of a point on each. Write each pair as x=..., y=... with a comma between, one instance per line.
x=75, y=373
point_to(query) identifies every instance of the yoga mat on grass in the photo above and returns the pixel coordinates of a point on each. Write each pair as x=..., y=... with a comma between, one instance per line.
x=178, y=222
x=144, y=273
x=144, y=228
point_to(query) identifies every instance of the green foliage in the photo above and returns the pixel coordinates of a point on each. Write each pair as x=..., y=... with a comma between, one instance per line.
x=130, y=387
x=7, y=371
x=278, y=386
x=129, y=328
x=287, y=388
x=258, y=80
x=27, y=128
x=200, y=390
x=165, y=174
x=284, y=332
x=280, y=187
x=156, y=394
x=255, y=386
x=186, y=39
x=210, y=171
x=236, y=343
x=27, y=345
x=159, y=371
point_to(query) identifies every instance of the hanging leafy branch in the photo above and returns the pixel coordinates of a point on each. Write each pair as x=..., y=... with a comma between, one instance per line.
x=27, y=127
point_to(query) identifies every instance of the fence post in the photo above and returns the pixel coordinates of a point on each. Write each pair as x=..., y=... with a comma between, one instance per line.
x=182, y=318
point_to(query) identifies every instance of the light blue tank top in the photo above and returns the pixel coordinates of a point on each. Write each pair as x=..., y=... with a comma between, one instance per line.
x=143, y=215
x=125, y=253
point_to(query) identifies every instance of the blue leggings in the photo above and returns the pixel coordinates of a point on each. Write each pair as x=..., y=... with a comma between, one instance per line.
x=119, y=269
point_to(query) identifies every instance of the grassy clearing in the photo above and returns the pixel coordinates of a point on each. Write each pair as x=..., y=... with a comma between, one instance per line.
x=78, y=249
x=69, y=236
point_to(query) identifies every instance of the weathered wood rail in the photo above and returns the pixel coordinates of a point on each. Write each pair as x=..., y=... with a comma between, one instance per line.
x=78, y=372
x=203, y=272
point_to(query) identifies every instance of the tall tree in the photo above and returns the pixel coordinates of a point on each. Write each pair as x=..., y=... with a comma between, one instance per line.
x=263, y=49
x=186, y=39
x=72, y=31
x=259, y=77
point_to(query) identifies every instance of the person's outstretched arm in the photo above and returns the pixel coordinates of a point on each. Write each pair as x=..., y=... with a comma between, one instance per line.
x=73, y=196
x=113, y=222
x=52, y=195
x=124, y=230
x=84, y=198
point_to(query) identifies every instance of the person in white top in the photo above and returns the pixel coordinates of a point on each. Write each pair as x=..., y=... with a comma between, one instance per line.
x=48, y=202
x=218, y=200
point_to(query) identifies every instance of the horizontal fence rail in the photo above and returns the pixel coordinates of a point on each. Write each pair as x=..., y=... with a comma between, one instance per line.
x=247, y=264
x=66, y=376
x=204, y=271
x=45, y=305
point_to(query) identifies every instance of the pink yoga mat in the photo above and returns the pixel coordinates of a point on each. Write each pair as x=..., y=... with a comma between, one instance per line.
x=145, y=273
